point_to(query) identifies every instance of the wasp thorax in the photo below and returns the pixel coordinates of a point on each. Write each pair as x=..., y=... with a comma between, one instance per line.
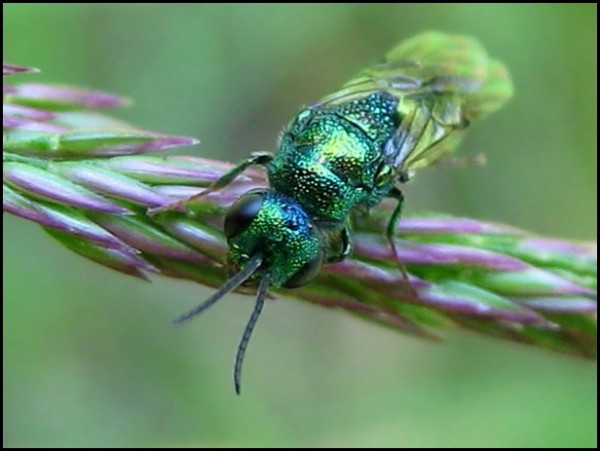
x=266, y=222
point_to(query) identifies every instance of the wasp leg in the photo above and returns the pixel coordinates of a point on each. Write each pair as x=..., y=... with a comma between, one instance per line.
x=346, y=249
x=395, y=193
x=256, y=158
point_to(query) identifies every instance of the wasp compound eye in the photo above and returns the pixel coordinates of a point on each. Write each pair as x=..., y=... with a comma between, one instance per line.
x=305, y=274
x=241, y=214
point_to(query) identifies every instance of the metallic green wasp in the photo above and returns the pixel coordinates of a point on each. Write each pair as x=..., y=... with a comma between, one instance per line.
x=347, y=152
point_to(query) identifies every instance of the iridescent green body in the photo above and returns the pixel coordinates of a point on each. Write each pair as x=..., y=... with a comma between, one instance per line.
x=348, y=151
x=329, y=161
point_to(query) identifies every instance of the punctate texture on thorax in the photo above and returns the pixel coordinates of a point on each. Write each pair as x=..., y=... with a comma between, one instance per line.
x=329, y=158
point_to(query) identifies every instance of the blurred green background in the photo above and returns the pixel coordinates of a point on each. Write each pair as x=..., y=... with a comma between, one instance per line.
x=90, y=357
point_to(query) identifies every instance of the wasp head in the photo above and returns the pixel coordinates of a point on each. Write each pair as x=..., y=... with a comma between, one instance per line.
x=263, y=222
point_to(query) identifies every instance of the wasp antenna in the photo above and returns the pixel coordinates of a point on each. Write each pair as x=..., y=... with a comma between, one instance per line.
x=241, y=351
x=238, y=279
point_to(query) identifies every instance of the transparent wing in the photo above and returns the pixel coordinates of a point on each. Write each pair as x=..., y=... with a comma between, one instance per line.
x=442, y=82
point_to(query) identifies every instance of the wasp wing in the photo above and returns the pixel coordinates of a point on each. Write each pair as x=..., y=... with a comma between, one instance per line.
x=442, y=83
